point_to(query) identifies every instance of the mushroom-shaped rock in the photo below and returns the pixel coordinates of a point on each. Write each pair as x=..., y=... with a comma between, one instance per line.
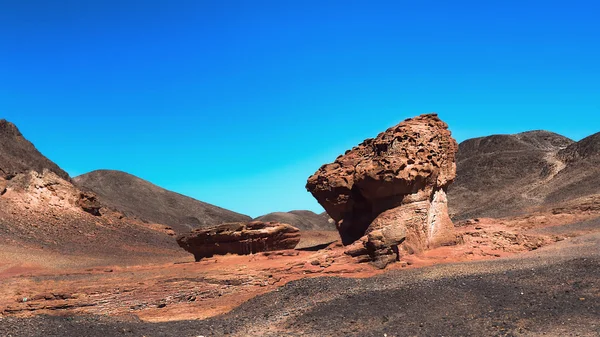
x=389, y=193
x=239, y=238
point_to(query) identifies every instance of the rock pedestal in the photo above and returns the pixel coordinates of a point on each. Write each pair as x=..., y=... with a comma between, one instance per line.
x=388, y=194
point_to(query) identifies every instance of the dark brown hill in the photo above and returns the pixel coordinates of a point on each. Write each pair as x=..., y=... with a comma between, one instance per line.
x=581, y=175
x=139, y=198
x=303, y=220
x=587, y=149
x=18, y=155
x=503, y=175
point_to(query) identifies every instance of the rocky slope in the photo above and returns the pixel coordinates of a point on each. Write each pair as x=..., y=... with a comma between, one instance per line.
x=44, y=211
x=18, y=155
x=504, y=175
x=303, y=220
x=581, y=174
x=138, y=198
x=40, y=208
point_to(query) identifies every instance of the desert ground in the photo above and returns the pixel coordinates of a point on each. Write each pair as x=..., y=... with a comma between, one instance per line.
x=519, y=276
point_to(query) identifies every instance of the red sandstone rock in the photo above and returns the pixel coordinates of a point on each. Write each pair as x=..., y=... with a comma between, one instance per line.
x=391, y=190
x=239, y=238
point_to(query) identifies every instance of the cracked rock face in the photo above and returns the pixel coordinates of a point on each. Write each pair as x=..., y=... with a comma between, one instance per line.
x=388, y=194
x=239, y=238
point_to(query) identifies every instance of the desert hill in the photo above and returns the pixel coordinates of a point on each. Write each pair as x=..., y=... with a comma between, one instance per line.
x=18, y=155
x=585, y=149
x=581, y=175
x=301, y=219
x=504, y=175
x=42, y=211
x=138, y=198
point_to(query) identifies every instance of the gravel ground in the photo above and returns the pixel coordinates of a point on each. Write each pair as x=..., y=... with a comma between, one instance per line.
x=574, y=228
x=554, y=291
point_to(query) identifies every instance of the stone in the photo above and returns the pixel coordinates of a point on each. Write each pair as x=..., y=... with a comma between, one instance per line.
x=239, y=238
x=89, y=203
x=388, y=194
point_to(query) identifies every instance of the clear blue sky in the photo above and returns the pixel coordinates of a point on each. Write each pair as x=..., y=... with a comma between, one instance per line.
x=237, y=102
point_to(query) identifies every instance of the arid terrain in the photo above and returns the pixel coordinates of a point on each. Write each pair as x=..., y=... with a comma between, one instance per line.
x=88, y=257
x=504, y=175
x=140, y=199
x=516, y=276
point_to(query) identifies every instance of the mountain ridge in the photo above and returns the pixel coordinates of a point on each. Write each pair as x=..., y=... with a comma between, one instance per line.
x=301, y=219
x=18, y=155
x=503, y=175
x=142, y=199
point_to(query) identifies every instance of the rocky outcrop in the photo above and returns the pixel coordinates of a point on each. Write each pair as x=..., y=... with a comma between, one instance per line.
x=41, y=189
x=388, y=194
x=89, y=203
x=47, y=189
x=239, y=238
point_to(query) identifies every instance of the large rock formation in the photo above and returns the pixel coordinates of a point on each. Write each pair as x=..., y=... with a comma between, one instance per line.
x=388, y=194
x=239, y=238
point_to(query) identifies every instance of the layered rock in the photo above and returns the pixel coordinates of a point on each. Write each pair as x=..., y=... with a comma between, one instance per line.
x=388, y=194
x=239, y=238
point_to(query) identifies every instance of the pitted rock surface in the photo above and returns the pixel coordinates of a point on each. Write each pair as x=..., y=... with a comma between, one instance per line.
x=239, y=238
x=391, y=190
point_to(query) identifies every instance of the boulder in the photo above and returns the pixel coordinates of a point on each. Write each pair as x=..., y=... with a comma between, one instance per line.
x=239, y=238
x=388, y=194
x=89, y=203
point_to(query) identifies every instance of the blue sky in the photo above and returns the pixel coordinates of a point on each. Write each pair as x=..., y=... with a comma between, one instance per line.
x=236, y=103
